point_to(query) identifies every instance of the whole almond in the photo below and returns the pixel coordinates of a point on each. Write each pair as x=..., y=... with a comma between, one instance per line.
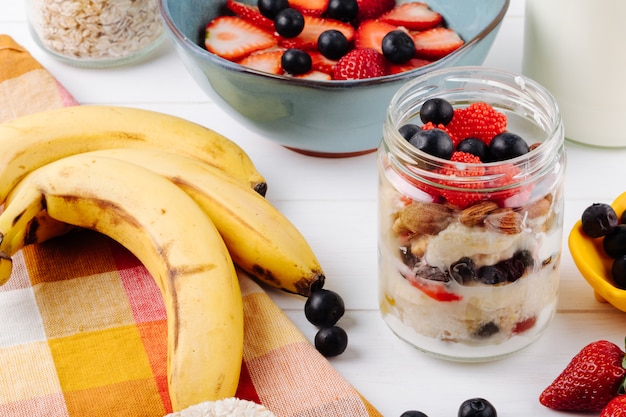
x=424, y=218
x=538, y=208
x=475, y=215
x=505, y=221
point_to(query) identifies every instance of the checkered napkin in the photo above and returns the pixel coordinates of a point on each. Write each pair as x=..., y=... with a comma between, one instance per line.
x=83, y=326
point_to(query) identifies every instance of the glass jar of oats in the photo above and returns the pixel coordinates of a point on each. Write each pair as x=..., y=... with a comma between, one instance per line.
x=96, y=33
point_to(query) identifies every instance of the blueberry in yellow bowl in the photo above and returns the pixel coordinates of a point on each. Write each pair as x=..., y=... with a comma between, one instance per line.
x=597, y=243
x=316, y=76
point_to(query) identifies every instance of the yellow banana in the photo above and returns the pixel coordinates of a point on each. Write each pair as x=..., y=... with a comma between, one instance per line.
x=43, y=227
x=34, y=140
x=260, y=239
x=176, y=241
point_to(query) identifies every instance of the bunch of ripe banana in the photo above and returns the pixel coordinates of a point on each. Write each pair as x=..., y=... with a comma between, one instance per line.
x=186, y=201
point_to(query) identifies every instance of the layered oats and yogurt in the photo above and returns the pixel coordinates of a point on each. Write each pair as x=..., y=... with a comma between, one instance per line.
x=470, y=240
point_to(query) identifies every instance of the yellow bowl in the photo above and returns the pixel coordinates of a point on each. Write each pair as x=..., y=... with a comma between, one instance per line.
x=594, y=264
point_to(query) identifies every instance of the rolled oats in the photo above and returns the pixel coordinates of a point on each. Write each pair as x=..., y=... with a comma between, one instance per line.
x=96, y=29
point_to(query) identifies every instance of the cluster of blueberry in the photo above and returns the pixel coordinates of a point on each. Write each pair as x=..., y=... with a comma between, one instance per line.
x=601, y=221
x=465, y=272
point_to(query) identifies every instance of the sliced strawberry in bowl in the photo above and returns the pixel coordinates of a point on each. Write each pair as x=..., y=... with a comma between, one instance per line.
x=370, y=34
x=267, y=60
x=413, y=16
x=232, y=37
x=411, y=64
x=436, y=43
x=314, y=75
x=250, y=13
x=310, y=7
x=313, y=28
x=320, y=63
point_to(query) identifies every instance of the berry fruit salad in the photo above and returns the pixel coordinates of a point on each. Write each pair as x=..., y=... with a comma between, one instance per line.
x=470, y=236
x=330, y=39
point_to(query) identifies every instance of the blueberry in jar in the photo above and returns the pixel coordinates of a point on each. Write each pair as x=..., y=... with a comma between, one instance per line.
x=343, y=10
x=333, y=44
x=474, y=146
x=331, y=341
x=486, y=330
x=408, y=130
x=507, y=145
x=324, y=308
x=398, y=46
x=525, y=257
x=296, y=61
x=435, y=142
x=615, y=242
x=289, y=23
x=513, y=268
x=491, y=275
x=269, y=8
x=463, y=271
x=599, y=219
x=436, y=111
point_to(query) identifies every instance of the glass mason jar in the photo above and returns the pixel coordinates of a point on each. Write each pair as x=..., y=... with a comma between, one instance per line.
x=96, y=33
x=474, y=277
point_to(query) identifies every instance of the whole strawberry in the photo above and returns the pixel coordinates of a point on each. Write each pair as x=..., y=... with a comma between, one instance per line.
x=360, y=63
x=592, y=378
x=615, y=408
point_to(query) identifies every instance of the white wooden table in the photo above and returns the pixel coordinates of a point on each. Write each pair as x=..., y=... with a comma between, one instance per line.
x=333, y=203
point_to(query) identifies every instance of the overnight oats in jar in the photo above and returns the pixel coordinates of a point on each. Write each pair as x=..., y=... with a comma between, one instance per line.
x=471, y=172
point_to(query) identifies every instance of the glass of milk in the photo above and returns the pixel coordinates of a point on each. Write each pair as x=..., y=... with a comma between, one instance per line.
x=575, y=48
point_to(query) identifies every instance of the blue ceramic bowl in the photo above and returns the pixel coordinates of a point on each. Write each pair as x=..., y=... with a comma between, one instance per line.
x=322, y=118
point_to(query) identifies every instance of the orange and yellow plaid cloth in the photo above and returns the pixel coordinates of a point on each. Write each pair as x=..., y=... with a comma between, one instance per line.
x=83, y=325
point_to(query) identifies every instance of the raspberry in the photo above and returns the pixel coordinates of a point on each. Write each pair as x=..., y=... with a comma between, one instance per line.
x=466, y=157
x=506, y=175
x=479, y=120
x=462, y=198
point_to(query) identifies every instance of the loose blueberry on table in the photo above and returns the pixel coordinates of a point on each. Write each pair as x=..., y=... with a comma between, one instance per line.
x=331, y=341
x=477, y=407
x=368, y=38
